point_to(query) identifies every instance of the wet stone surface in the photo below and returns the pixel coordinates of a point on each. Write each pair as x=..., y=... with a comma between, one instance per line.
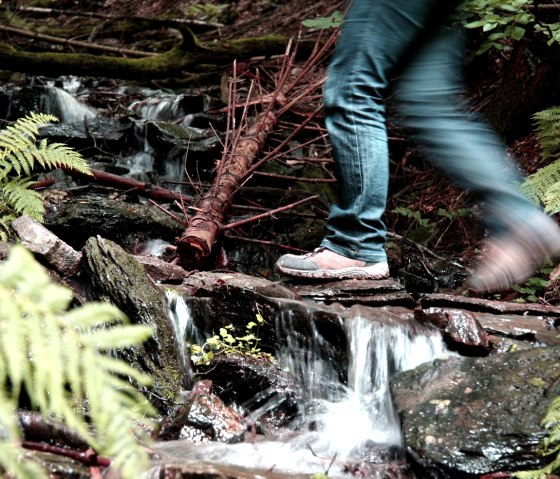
x=463, y=417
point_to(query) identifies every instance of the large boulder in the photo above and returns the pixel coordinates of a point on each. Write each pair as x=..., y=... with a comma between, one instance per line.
x=464, y=417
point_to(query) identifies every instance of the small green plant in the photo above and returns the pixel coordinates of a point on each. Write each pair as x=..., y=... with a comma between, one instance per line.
x=501, y=19
x=19, y=155
x=530, y=290
x=416, y=216
x=227, y=344
x=549, y=446
x=209, y=11
x=63, y=360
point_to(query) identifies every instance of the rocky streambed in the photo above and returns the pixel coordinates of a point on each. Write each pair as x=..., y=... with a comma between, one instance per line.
x=368, y=380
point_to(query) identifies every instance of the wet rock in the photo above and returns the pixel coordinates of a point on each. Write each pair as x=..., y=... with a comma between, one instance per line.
x=79, y=217
x=461, y=330
x=487, y=306
x=160, y=270
x=213, y=283
x=349, y=292
x=116, y=276
x=181, y=469
x=264, y=391
x=534, y=330
x=34, y=236
x=464, y=417
x=203, y=418
x=302, y=325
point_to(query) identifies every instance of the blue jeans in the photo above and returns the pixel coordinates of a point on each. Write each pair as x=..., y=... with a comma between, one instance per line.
x=380, y=39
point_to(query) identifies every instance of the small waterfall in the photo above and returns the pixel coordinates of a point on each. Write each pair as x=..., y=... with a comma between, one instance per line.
x=141, y=162
x=343, y=418
x=58, y=102
x=177, y=109
x=377, y=351
x=346, y=407
x=181, y=318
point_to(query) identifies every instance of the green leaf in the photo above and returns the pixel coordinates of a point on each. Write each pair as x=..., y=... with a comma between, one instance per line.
x=323, y=23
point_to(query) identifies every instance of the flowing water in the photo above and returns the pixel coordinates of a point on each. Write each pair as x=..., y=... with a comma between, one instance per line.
x=341, y=419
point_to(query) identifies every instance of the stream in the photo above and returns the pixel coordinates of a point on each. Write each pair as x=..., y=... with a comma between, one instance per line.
x=341, y=422
x=370, y=397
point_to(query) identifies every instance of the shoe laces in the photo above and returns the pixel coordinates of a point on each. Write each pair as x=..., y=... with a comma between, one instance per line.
x=315, y=252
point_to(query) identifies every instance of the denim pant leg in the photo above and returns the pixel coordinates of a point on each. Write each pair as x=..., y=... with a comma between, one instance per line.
x=465, y=148
x=375, y=37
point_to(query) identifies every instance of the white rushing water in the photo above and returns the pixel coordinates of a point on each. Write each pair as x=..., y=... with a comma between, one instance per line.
x=339, y=419
x=66, y=107
x=348, y=416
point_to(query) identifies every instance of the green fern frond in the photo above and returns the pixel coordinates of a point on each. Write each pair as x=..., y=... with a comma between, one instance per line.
x=16, y=196
x=5, y=222
x=19, y=155
x=548, y=129
x=55, y=155
x=62, y=360
x=18, y=139
x=537, y=186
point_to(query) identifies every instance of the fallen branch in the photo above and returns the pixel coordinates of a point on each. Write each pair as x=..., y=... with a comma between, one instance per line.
x=88, y=457
x=74, y=43
x=238, y=161
x=187, y=55
x=131, y=185
x=167, y=22
x=196, y=242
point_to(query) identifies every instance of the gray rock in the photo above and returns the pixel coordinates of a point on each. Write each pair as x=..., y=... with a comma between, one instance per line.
x=463, y=417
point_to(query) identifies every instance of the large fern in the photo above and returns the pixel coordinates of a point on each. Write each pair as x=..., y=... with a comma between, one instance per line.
x=19, y=155
x=543, y=186
x=547, y=126
x=62, y=359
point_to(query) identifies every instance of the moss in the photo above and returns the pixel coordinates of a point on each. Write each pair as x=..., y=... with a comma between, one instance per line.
x=185, y=56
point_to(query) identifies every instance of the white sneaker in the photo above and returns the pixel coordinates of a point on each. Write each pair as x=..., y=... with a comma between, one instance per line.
x=323, y=263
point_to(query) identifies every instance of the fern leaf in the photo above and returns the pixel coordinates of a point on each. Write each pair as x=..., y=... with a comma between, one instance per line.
x=536, y=185
x=16, y=195
x=54, y=155
x=107, y=339
x=551, y=199
x=66, y=362
x=5, y=221
x=548, y=128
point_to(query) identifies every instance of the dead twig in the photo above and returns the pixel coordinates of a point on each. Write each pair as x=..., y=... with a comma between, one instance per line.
x=88, y=457
x=268, y=213
x=265, y=243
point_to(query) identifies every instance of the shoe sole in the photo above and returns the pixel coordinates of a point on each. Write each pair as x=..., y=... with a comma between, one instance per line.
x=343, y=273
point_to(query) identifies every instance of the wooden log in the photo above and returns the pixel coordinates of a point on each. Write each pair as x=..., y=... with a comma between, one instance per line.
x=58, y=254
x=196, y=242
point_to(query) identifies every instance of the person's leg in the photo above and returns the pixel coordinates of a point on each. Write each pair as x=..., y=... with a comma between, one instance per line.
x=469, y=151
x=375, y=38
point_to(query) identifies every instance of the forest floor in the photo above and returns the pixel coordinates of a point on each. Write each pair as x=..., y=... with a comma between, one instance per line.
x=424, y=206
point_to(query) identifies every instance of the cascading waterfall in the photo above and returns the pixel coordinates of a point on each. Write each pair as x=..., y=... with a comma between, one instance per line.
x=341, y=419
x=346, y=417
x=63, y=105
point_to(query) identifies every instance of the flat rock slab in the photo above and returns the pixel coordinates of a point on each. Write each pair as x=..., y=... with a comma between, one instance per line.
x=488, y=306
x=355, y=291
